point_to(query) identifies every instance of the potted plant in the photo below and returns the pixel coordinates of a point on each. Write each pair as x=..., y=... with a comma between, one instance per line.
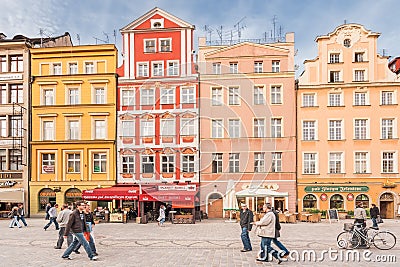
x=350, y=214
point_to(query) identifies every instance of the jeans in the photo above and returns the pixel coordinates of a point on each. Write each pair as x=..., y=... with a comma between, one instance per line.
x=246, y=239
x=78, y=238
x=91, y=245
x=22, y=218
x=162, y=221
x=374, y=223
x=60, y=240
x=52, y=220
x=280, y=246
x=266, y=249
x=14, y=221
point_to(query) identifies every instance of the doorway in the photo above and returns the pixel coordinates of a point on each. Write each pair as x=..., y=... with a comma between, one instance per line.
x=279, y=203
x=387, y=206
x=215, y=206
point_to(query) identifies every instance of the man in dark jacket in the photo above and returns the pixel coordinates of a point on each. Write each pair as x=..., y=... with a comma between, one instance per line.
x=284, y=252
x=90, y=225
x=77, y=224
x=246, y=220
x=374, y=212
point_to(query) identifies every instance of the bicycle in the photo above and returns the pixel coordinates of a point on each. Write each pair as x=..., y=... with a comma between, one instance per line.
x=355, y=235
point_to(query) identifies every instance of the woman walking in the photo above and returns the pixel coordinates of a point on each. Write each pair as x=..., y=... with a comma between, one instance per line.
x=15, y=215
x=161, y=217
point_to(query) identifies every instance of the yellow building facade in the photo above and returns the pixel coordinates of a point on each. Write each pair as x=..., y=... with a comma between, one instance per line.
x=73, y=109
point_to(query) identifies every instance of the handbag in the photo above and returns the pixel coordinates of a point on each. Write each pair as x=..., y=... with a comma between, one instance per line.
x=379, y=219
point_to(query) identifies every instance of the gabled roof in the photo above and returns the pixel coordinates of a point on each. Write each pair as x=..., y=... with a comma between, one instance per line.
x=348, y=27
x=151, y=13
x=259, y=47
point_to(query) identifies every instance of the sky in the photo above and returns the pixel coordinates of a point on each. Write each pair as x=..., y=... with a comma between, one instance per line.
x=96, y=21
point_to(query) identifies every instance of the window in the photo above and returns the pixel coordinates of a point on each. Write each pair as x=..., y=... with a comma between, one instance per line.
x=148, y=164
x=276, y=66
x=128, y=128
x=188, y=127
x=150, y=46
x=147, y=96
x=234, y=98
x=73, y=68
x=3, y=126
x=359, y=57
x=233, y=67
x=276, y=162
x=276, y=127
x=74, y=163
x=335, y=162
x=309, y=130
x=216, y=68
x=3, y=64
x=15, y=160
x=387, y=128
x=363, y=199
x=187, y=163
x=335, y=130
x=143, y=69
x=217, y=163
x=216, y=96
x=99, y=162
x=128, y=164
x=258, y=67
x=259, y=95
x=233, y=162
x=74, y=129
x=16, y=126
x=360, y=99
x=310, y=163
x=48, y=130
x=361, y=162
x=387, y=98
x=89, y=67
x=165, y=45
x=167, y=164
x=388, y=162
x=167, y=127
x=48, y=97
x=57, y=69
x=167, y=96
x=158, y=69
x=336, y=201
x=17, y=93
x=147, y=128
x=48, y=162
x=259, y=127
x=309, y=202
x=17, y=64
x=334, y=76
x=3, y=94
x=188, y=95
x=100, y=94
x=335, y=100
x=3, y=160
x=128, y=97
x=276, y=95
x=173, y=68
x=73, y=96
x=359, y=75
x=234, y=128
x=217, y=129
x=360, y=129
x=100, y=129
x=334, y=58
x=259, y=162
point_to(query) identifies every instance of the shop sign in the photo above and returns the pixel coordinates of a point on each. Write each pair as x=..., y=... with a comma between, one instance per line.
x=323, y=197
x=8, y=183
x=350, y=197
x=48, y=168
x=177, y=187
x=10, y=175
x=335, y=189
x=5, y=77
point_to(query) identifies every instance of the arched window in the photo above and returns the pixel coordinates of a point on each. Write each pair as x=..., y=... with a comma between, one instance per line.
x=309, y=202
x=364, y=199
x=336, y=202
x=72, y=195
x=46, y=195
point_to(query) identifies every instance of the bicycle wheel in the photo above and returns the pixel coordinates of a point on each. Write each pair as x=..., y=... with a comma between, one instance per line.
x=348, y=240
x=384, y=240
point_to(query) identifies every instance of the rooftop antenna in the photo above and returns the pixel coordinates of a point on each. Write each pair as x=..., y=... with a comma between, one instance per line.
x=209, y=30
x=41, y=33
x=115, y=36
x=345, y=21
x=79, y=39
x=219, y=31
x=239, y=28
x=98, y=39
x=108, y=39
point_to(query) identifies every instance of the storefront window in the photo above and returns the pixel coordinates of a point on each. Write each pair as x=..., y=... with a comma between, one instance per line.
x=72, y=195
x=337, y=202
x=46, y=195
x=364, y=199
x=309, y=202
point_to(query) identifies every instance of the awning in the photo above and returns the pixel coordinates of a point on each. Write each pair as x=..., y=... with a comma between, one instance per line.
x=178, y=198
x=111, y=193
x=260, y=192
x=12, y=195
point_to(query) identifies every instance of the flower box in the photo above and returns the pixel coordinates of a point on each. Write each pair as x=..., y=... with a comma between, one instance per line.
x=188, y=139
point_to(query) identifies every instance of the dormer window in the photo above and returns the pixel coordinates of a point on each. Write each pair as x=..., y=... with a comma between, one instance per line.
x=157, y=23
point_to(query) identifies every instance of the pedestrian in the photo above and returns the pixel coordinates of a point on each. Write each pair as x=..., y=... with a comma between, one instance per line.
x=48, y=207
x=88, y=233
x=246, y=220
x=62, y=219
x=77, y=225
x=161, y=217
x=14, y=217
x=266, y=230
x=360, y=215
x=53, y=217
x=374, y=213
x=284, y=252
x=21, y=212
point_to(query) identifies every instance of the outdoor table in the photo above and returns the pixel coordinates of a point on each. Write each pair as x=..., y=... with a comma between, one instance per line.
x=172, y=212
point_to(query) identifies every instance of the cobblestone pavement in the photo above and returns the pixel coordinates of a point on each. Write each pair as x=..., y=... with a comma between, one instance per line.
x=206, y=243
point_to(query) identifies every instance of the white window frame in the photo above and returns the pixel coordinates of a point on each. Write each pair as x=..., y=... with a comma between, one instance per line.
x=167, y=127
x=48, y=100
x=276, y=66
x=359, y=129
x=217, y=96
x=217, y=128
x=127, y=128
x=276, y=162
x=309, y=132
x=128, y=164
x=74, y=96
x=234, y=126
x=147, y=160
x=259, y=95
x=337, y=74
x=258, y=67
x=128, y=97
x=48, y=133
x=147, y=127
x=218, y=159
x=361, y=101
x=277, y=128
x=51, y=161
x=276, y=96
x=334, y=57
x=75, y=162
x=174, y=69
x=168, y=163
x=360, y=75
x=337, y=134
x=100, y=98
x=386, y=129
x=259, y=129
x=188, y=165
x=74, y=133
x=149, y=98
x=157, y=68
x=394, y=161
x=103, y=158
x=188, y=126
x=160, y=40
x=335, y=100
x=234, y=96
x=167, y=95
x=233, y=67
x=359, y=162
x=145, y=47
x=56, y=68
x=234, y=162
x=100, y=129
x=309, y=100
x=90, y=67
x=332, y=159
x=315, y=161
x=259, y=162
x=188, y=95
x=386, y=100
x=73, y=67
x=216, y=68
x=142, y=69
